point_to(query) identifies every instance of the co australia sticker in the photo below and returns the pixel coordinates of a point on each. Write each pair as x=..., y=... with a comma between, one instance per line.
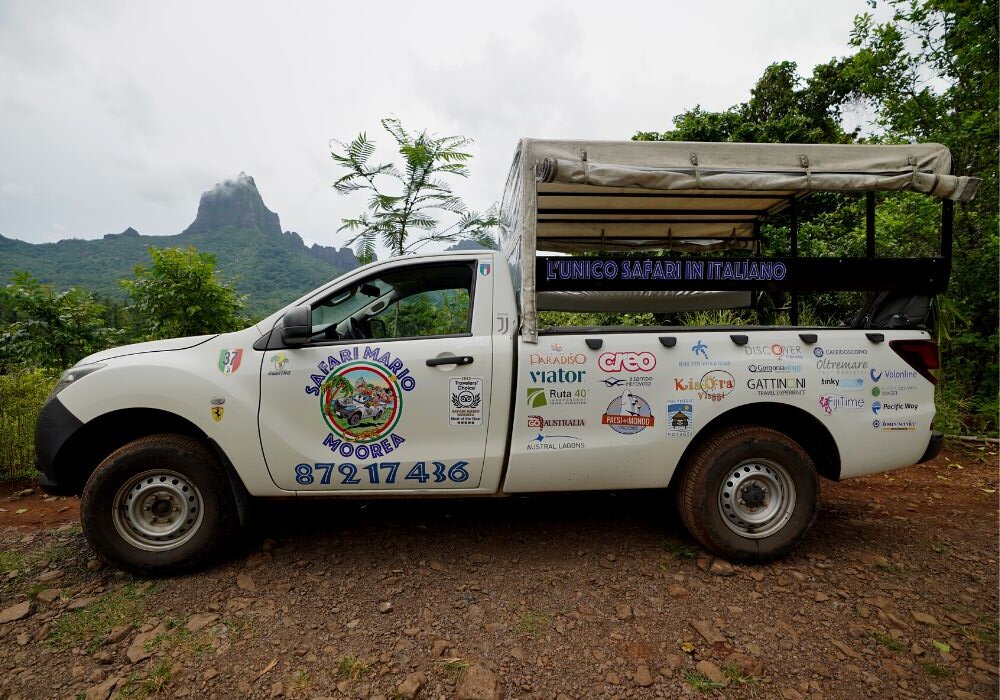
x=361, y=401
x=628, y=414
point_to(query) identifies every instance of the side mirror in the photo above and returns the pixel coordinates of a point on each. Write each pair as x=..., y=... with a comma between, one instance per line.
x=296, y=326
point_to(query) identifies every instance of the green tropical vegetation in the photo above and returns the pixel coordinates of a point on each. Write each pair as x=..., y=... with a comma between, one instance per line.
x=43, y=332
x=405, y=200
x=180, y=294
x=929, y=74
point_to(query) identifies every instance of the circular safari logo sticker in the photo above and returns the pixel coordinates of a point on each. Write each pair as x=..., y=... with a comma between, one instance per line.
x=628, y=414
x=361, y=401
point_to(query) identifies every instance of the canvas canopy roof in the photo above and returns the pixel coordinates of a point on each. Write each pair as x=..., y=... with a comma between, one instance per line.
x=587, y=196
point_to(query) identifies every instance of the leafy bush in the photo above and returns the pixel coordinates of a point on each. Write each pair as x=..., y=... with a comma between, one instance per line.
x=22, y=394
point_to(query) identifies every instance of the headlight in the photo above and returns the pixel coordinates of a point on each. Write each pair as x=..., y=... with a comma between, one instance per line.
x=74, y=374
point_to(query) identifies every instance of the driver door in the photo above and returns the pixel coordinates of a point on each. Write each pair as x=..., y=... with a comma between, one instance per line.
x=393, y=391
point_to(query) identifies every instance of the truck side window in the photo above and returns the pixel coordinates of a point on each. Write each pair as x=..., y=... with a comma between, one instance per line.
x=410, y=302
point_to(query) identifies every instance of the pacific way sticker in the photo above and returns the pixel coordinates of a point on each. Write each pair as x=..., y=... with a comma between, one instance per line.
x=680, y=418
x=229, y=360
x=465, y=401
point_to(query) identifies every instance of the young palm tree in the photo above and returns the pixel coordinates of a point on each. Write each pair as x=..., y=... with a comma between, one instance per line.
x=421, y=193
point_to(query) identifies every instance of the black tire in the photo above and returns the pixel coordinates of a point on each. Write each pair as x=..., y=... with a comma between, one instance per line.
x=771, y=471
x=354, y=419
x=159, y=505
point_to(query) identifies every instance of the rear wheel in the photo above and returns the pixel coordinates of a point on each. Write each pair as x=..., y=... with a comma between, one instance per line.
x=158, y=505
x=749, y=494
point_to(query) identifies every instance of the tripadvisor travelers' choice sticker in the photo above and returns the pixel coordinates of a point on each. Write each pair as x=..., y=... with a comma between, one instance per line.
x=229, y=359
x=361, y=401
x=465, y=401
x=680, y=418
x=628, y=414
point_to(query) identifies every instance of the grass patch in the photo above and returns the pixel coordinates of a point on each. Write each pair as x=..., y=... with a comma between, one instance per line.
x=532, y=623
x=238, y=627
x=702, y=683
x=986, y=632
x=936, y=670
x=455, y=667
x=894, y=569
x=89, y=626
x=352, y=668
x=179, y=638
x=300, y=683
x=137, y=688
x=735, y=674
x=679, y=550
x=51, y=553
x=888, y=642
x=10, y=561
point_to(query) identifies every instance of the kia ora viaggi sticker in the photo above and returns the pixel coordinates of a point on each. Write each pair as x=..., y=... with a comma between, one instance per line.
x=361, y=395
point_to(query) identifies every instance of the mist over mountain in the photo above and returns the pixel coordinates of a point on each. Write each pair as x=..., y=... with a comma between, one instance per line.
x=271, y=266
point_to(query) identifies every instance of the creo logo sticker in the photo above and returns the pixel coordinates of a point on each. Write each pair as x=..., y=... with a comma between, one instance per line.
x=627, y=362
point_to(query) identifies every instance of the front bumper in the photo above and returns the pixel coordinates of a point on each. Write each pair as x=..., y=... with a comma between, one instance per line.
x=933, y=447
x=54, y=427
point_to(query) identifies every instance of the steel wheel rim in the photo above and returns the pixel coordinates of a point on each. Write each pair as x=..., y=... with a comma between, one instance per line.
x=158, y=510
x=756, y=498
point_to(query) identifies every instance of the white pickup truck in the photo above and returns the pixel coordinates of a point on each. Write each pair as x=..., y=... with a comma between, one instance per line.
x=425, y=375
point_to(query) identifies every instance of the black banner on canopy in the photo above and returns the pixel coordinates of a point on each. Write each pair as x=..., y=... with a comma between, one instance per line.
x=616, y=273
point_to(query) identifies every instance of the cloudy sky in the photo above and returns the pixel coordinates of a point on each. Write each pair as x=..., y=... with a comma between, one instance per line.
x=117, y=114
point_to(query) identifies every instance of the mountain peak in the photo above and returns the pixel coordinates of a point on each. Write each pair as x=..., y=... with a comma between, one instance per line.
x=237, y=204
x=127, y=233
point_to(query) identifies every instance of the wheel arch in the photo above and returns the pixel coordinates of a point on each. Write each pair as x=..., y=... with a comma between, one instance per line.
x=91, y=443
x=814, y=437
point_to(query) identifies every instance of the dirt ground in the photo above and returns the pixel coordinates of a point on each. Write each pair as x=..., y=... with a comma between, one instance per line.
x=893, y=594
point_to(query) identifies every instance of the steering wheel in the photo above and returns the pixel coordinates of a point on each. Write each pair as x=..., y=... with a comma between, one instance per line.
x=356, y=330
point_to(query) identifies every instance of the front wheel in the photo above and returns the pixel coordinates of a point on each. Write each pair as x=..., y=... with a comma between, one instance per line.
x=749, y=494
x=158, y=505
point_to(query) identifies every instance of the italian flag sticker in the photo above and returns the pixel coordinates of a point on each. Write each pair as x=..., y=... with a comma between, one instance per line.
x=229, y=360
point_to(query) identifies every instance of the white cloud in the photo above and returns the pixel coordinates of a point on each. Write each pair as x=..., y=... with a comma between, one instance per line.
x=121, y=114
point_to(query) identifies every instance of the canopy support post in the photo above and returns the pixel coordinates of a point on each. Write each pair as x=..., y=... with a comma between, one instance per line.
x=793, y=312
x=947, y=228
x=870, y=224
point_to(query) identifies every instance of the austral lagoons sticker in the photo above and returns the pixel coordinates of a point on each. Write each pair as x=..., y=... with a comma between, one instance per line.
x=628, y=414
x=361, y=394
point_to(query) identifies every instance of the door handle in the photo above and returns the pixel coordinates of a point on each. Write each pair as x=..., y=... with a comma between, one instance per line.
x=453, y=360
